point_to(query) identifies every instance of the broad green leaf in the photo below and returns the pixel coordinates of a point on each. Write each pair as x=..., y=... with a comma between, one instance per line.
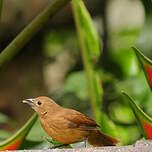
x=28, y=144
x=144, y=121
x=108, y=126
x=15, y=141
x=89, y=39
x=146, y=65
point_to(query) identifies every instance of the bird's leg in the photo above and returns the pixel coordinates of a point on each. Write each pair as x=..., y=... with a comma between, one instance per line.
x=85, y=143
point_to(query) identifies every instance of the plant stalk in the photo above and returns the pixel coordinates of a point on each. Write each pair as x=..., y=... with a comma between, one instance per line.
x=30, y=30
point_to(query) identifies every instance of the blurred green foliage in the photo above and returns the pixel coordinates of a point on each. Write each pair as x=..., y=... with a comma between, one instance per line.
x=110, y=108
x=77, y=83
x=60, y=40
x=122, y=54
x=3, y=133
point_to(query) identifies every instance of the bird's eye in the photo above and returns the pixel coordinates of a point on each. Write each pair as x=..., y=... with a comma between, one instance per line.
x=39, y=103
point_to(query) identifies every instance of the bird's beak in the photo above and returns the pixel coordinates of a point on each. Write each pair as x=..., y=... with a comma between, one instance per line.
x=29, y=102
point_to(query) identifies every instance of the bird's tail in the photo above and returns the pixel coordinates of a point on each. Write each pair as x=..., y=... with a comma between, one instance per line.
x=97, y=139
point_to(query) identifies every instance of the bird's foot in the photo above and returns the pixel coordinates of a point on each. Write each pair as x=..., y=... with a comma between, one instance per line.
x=85, y=143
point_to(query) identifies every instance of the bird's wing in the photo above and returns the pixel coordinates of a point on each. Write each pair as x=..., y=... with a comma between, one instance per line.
x=79, y=120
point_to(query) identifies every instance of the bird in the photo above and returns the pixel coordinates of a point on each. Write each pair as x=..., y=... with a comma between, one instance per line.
x=68, y=126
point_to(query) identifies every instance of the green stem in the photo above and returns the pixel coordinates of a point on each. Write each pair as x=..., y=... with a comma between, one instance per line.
x=87, y=34
x=28, y=32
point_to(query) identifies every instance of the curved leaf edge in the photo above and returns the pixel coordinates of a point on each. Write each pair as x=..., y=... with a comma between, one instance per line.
x=21, y=133
x=140, y=115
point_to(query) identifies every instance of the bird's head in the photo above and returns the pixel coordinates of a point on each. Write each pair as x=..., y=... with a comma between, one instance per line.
x=42, y=105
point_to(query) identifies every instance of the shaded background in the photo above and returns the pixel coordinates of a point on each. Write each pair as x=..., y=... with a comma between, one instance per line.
x=50, y=64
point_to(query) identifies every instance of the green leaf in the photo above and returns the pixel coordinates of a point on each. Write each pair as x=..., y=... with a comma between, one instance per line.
x=90, y=50
x=108, y=126
x=15, y=141
x=88, y=35
x=126, y=61
x=28, y=144
x=144, y=121
x=89, y=43
x=146, y=64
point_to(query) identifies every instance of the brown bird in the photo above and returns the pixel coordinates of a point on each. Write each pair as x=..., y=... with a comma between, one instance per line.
x=68, y=126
